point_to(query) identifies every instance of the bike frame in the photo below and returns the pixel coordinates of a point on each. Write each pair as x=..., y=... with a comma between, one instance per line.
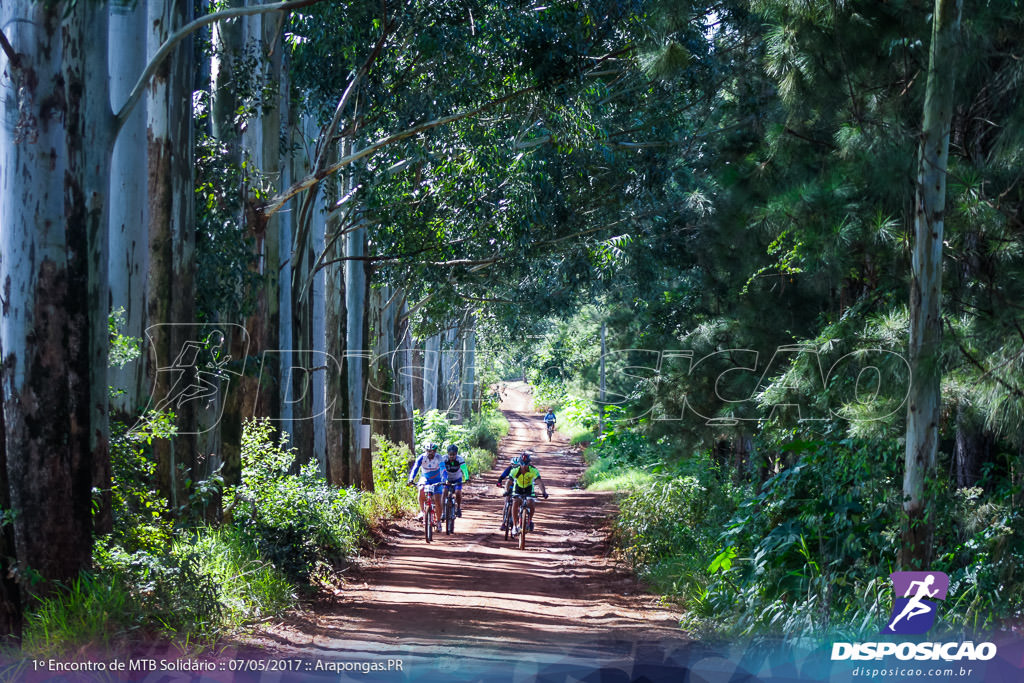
x=525, y=516
x=430, y=512
x=448, y=507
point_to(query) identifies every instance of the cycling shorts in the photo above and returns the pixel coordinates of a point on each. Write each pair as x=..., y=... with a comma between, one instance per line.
x=457, y=485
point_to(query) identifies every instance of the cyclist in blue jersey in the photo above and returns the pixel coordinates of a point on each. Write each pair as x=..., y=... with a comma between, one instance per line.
x=429, y=468
x=454, y=472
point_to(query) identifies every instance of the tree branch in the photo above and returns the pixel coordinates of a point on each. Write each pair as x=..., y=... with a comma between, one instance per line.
x=184, y=32
x=313, y=179
x=12, y=56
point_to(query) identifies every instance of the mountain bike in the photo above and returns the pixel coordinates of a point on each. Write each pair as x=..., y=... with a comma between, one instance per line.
x=429, y=513
x=551, y=429
x=525, y=521
x=448, y=508
x=506, y=513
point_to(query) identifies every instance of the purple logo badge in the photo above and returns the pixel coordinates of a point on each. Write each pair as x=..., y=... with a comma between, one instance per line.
x=913, y=609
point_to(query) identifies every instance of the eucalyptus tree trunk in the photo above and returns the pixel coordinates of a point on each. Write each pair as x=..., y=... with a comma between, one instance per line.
x=129, y=242
x=269, y=392
x=924, y=401
x=55, y=147
x=10, y=595
x=431, y=372
x=225, y=434
x=170, y=296
x=469, y=370
x=302, y=259
x=319, y=332
x=451, y=369
x=355, y=322
x=338, y=470
x=402, y=430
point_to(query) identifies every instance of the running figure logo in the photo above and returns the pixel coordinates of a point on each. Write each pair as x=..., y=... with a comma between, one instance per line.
x=913, y=610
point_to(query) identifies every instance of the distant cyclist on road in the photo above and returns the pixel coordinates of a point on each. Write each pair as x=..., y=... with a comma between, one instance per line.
x=549, y=422
x=454, y=471
x=429, y=467
x=523, y=478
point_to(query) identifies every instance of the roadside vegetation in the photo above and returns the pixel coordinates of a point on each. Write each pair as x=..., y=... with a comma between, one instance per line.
x=795, y=537
x=283, y=531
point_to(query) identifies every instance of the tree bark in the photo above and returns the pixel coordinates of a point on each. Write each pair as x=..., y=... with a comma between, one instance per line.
x=129, y=255
x=55, y=166
x=355, y=321
x=171, y=210
x=924, y=401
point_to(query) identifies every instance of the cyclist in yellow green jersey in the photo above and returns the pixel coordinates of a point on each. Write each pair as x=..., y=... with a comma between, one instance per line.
x=523, y=479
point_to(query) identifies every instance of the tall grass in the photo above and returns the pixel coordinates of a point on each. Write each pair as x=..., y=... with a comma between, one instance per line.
x=248, y=587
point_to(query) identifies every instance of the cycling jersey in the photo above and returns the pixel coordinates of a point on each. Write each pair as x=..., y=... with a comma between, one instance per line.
x=549, y=418
x=454, y=470
x=431, y=469
x=523, y=479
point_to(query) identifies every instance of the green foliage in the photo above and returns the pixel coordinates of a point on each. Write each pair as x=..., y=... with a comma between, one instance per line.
x=123, y=349
x=248, y=587
x=141, y=519
x=226, y=277
x=302, y=525
x=485, y=429
x=478, y=460
x=477, y=440
x=391, y=464
x=97, y=611
x=127, y=596
x=434, y=427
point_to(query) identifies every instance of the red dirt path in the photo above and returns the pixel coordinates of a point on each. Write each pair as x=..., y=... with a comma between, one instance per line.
x=463, y=600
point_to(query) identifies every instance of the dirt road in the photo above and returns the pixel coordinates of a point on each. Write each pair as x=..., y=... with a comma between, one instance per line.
x=472, y=606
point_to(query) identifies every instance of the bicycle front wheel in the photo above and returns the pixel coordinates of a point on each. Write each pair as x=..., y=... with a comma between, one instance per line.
x=524, y=517
x=428, y=524
x=449, y=517
x=506, y=518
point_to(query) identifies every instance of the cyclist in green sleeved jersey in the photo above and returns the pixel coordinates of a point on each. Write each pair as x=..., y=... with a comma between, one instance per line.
x=523, y=479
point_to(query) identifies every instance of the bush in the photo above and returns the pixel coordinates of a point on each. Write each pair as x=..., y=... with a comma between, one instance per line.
x=391, y=464
x=141, y=514
x=248, y=587
x=486, y=429
x=434, y=427
x=478, y=460
x=304, y=526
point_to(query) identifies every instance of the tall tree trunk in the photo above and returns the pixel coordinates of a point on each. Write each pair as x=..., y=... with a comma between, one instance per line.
x=402, y=428
x=270, y=391
x=355, y=323
x=432, y=372
x=129, y=243
x=55, y=162
x=339, y=470
x=170, y=296
x=469, y=370
x=11, y=620
x=924, y=401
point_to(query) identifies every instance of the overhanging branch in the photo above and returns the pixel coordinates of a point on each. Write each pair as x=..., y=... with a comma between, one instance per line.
x=184, y=32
